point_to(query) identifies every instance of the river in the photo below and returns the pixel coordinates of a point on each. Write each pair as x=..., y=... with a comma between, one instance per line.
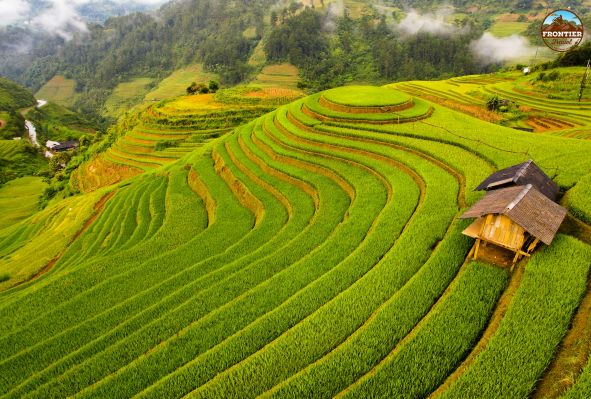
x=33, y=131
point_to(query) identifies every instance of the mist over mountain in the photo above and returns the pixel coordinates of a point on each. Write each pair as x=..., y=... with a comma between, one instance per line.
x=331, y=43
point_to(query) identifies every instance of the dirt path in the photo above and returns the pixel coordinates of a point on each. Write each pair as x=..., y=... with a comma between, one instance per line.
x=2, y=123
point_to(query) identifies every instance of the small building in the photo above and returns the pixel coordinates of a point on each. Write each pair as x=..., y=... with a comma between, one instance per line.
x=65, y=146
x=49, y=144
x=516, y=218
x=520, y=175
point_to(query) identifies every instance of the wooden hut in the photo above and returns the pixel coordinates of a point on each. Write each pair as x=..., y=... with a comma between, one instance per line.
x=520, y=175
x=515, y=218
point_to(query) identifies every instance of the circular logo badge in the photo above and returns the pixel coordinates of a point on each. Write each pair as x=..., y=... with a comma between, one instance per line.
x=562, y=30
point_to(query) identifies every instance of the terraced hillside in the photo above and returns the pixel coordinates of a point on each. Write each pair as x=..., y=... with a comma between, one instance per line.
x=549, y=107
x=312, y=252
x=168, y=130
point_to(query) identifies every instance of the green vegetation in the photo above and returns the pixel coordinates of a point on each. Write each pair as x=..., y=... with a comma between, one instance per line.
x=57, y=123
x=545, y=100
x=19, y=199
x=280, y=75
x=14, y=96
x=442, y=340
x=365, y=96
x=59, y=90
x=19, y=158
x=579, y=200
x=127, y=94
x=535, y=322
x=237, y=43
x=508, y=28
x=312, y=250
x=12, y=125
x=176, y=84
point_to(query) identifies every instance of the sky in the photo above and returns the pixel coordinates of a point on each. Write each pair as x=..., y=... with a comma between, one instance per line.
x=566, y=15
x=60, y=17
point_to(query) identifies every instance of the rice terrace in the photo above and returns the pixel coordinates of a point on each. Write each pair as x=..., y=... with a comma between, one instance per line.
x=411, y=238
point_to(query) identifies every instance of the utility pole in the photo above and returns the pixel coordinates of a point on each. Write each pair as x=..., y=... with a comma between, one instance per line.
x=584, y=80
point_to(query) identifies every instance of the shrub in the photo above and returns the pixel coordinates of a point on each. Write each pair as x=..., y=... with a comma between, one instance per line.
x=213, y=86
x=164, y=144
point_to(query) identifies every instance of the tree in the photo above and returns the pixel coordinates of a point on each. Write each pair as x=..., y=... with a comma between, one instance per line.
x=213, y=86
x=493, y=103
x=192, y=89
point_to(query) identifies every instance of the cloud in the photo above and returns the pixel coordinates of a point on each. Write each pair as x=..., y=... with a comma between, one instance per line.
x=335, y=9
x=490, y=49
x=12, y=11
x=435, y=23
x=61, y=19
x=58, y=17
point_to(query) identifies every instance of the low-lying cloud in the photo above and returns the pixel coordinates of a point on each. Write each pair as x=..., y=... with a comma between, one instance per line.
x=335, y=10
x=435, y=23
x=13, y=11
x=58, y=17
x=490, y=49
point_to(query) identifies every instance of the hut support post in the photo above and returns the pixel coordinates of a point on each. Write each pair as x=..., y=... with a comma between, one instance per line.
x=532, y=246
x=476, y=249
x=515, y=259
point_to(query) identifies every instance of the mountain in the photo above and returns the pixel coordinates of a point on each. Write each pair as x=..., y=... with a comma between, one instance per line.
x=13, y=96
x=330, y=46
x=33, y=12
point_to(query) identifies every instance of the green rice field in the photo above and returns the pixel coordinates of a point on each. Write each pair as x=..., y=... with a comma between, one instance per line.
x=308, y=250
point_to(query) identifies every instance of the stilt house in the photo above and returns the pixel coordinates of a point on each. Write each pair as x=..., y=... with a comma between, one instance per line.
x=517, y=212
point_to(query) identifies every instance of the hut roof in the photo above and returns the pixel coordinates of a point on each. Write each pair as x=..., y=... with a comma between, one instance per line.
x=66, y=145
x=519, y=175
x=524, y=205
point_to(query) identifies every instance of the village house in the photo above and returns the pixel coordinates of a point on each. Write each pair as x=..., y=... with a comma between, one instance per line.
x=55, y=146
x=517, y=212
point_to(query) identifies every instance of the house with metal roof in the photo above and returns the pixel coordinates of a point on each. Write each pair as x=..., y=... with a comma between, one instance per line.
x=516, y=218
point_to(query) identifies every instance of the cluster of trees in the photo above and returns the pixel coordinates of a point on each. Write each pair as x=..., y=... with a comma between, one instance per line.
x=202, y=88
x=329, y=50
x=138, y=45
x=368, y=49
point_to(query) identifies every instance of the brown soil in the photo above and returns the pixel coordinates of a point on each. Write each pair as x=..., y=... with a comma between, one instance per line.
x=2, y=123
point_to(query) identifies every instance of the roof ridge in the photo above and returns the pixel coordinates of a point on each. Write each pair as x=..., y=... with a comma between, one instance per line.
x=519, y=197
x=522, y=170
